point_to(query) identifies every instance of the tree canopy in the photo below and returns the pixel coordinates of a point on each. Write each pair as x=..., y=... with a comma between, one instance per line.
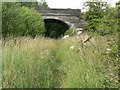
x=101, y=18
x=19, y=20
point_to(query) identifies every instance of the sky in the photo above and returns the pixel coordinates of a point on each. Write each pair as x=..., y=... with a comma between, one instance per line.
x=73, y=4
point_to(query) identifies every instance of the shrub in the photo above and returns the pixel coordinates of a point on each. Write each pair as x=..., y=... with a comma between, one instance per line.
x=21, y=21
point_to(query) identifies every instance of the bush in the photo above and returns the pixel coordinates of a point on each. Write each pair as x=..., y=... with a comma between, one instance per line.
x=21, y=21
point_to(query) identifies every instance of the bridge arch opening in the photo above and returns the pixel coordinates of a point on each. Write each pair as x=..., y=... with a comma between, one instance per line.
x=55, y=28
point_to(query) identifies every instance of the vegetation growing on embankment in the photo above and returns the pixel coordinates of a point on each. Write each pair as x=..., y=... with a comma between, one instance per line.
x=69, y=63
x=29, y=62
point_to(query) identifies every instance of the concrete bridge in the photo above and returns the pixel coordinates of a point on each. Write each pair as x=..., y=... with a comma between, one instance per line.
x=70, y=18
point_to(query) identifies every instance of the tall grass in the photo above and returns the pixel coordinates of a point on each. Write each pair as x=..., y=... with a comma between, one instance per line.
x=44, y=63
x=0, y=64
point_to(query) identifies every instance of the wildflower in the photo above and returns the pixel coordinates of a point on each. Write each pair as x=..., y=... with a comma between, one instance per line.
x=107, y=52
x=71, y=47
x=79, y=29
x=108, y=49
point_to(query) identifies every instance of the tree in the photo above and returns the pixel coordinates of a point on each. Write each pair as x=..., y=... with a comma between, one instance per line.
x=94, y=13
x=99, y=17
x=32, y=4
x=42, y=4
x=29, y=4
x=36, y=4
x=118, y=3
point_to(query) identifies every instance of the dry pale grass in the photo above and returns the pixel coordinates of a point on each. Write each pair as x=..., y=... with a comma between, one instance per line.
x=45, y=62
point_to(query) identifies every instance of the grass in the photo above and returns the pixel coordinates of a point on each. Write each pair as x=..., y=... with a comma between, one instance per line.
x=44, y=63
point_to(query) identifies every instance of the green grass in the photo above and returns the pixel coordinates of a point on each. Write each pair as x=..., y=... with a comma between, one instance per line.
x=44, y=63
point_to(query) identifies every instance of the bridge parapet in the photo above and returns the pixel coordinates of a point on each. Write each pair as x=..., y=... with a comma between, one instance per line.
x=58, y=12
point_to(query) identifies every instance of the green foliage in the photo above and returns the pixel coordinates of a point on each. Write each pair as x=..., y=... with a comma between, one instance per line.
x=118, y=3
x=36, y=5
x=29, y=4
x=101, y=18
x=21, y=21
x=94, y=13
x=114, y=46
x=109, y=22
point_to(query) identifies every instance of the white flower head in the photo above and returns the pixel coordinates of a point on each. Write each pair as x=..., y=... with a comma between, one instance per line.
x=71, y=47
x=108, y=49
x=107, y=52
x=79, y=29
